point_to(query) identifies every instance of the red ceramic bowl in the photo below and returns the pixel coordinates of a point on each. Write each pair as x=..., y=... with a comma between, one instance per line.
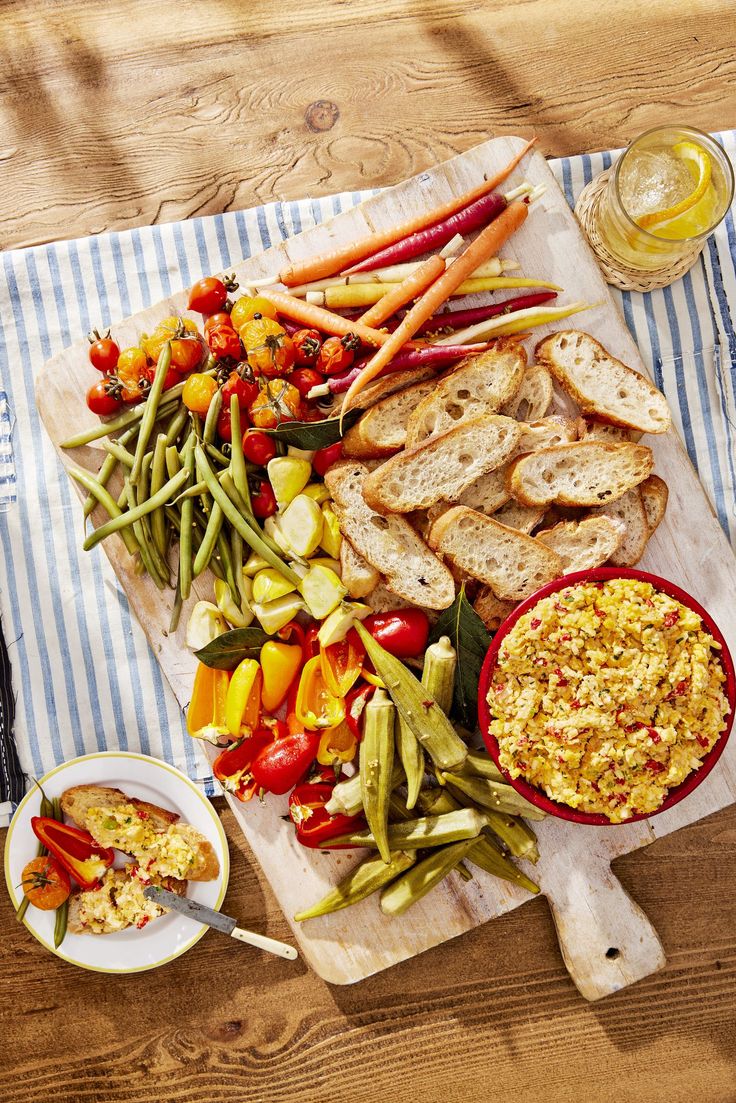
x=536, y=796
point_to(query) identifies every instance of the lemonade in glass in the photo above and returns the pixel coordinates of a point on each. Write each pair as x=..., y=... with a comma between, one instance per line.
x=668, y=191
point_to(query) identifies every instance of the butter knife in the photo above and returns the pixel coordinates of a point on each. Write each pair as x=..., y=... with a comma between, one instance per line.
x=202, y=914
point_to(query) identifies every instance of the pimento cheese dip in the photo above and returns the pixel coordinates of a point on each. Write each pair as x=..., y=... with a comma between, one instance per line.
x=606, y=695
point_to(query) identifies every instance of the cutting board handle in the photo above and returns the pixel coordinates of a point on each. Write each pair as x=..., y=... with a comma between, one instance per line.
x=607, y=941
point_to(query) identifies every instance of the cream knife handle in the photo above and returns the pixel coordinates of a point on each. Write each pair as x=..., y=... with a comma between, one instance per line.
x=271, y=945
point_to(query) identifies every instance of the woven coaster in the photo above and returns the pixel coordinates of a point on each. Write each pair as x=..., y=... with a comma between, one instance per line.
x=616, y=273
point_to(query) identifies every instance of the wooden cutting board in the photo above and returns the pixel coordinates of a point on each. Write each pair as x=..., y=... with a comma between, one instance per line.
x=606, y=940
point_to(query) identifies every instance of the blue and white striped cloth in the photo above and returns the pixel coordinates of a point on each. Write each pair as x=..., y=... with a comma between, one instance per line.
x=84, y=675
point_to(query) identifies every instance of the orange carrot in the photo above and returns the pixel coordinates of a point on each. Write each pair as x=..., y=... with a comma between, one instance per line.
x=317, y=317
x=403, y=293
x=327, y=264
x=487, y=243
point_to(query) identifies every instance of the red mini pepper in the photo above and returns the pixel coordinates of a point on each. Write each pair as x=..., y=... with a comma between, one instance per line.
x=283, y=762
x=232, y=768
x=355, y=702
x=314, y=826
x=74, y=849
x=342, y=663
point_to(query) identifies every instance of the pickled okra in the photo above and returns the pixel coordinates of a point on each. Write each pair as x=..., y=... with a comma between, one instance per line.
x=494, y=795
x=363, y=881
x=422, y=878
x=438, y=678
x=347, y=798
x=426, y=831
x=376, y=766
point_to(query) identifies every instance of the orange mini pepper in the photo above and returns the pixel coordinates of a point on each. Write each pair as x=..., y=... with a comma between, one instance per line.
x=206, y=711
x=341, y=663
x=336, y=744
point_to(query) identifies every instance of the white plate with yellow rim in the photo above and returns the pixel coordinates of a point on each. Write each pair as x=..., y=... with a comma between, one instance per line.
x=166, y=938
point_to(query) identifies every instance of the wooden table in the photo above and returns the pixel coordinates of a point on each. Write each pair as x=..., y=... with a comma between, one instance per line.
x=126, y=113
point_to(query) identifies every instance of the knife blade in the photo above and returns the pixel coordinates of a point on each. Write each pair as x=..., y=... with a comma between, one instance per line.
x=225, y=923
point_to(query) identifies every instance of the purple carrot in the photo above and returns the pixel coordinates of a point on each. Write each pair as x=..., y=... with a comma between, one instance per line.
x=436, y=355
x=459, y=319
x=478, y=214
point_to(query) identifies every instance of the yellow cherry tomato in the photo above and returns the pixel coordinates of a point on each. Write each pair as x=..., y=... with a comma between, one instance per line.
x=187, y=349
x=246, y=308
x=198, y=392
x=278, y=401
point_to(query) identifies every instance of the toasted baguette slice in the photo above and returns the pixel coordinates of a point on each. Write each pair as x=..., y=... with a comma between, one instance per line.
x=491, y=610
x=486, y=494
x=442, y=466
x=381, y=431
x=654, y=495
x=395, y=381
x=479, y=385
x=385, y=600
x=588, y=429
x=389, y=544
x=117, y=903
x=513, y=564
x=516, y=516
x=630, y=513
x=601, y=385
x=584, y=544
x=584, y=473
x=357, y=573
x=534, y=396
x=77, y=801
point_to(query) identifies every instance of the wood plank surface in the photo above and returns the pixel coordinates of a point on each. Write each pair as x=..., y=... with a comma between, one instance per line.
x=122, y=114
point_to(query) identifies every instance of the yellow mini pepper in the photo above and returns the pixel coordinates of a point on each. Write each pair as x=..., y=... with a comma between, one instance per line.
x=239, y=692
x=280, y=663
x=316, y=707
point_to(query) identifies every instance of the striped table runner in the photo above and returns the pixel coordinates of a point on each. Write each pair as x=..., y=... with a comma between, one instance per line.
x=84, y=676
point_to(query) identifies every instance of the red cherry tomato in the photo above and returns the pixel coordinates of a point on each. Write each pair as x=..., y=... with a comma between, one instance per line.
x=221, y=319
x=264, y=500
x=304, y=379
x=325, y=457
x=307, y=343
x=246, y=391
x=223, y=341
x=224, y=426
x=403, y=633
x=258, y=447
x=100, y=401
x=103, y=355
x=207, y=296
x=337, y=354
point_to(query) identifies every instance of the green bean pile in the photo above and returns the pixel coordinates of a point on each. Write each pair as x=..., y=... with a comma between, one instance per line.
x=179, y=490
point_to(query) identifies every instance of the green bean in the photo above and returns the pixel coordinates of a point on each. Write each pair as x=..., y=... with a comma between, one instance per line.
x=176, y=424
x=168, y=403
x=237, y=459
x=118, y=453
x=421, y=878
x=226, y=481
x=152, y=411
x=63, y=910
x=142, y=494
x=225, y=557
x=144, y=541
x=250, y=537
x=236, y=555
x=100, y=493
x=361, y=882
x=158, y=473
x=167, y=491
x=185, y=532
x=207, y=547
x=173, y=463
x=175, y=611
x=216, y=454
x=106, y=470
x=213, y=412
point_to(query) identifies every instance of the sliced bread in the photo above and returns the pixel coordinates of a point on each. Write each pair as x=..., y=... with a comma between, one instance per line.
x=442, y=466
x=602, y=385
x=357, y=573
x=534, y=396
x=516, y=516
x=491, y=610
x=389, y=544
x=588, y=429
x=479, y=385
x=584, y=544
x=584, y=473
x=392, y=382
x=513, y=564
x=77, y=801
x=629, y=512
x=381, y=431
x=654, y=495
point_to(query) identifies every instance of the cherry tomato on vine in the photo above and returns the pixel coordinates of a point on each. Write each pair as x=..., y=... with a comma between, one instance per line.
x=264, y=500
x=224, y=426
x=134, y=375
x=304, y=379
x=277, y=402
x=214, y=320
x=268, y=347
x=101, y=401
x=45, y=883
x=223, y=342
x=246, y=308
x=324, y=458
x=307, y=343
x=337, y=354
x=207, y=295
x=245, y=389
x=258, y=447
x=198, y=392
x=186, y=344
x=103, y=354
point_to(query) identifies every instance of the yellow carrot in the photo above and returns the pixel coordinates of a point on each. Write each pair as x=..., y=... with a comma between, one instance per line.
x=365, y=294
x=326, y=264
x=403, y=293
x=486, y=245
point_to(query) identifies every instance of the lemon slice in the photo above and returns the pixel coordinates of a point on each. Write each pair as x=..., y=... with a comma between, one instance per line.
x=700, y=159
